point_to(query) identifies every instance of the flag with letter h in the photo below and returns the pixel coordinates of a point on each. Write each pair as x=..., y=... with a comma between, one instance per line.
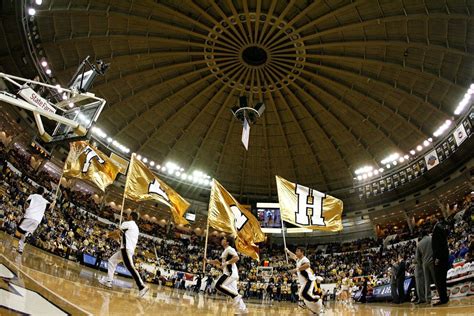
x=87, y=163
x=308, y=208
x=227, y=215
x=143, y=185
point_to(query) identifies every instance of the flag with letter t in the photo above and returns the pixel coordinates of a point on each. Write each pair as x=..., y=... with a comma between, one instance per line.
x=227, y=215
x=143, y=185
x=87, y=163
x=308, y=208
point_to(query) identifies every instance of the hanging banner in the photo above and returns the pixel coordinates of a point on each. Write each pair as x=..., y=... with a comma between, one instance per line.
x=431, y=159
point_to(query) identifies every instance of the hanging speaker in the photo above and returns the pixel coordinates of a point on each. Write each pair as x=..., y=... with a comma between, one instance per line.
x=260, y=107
x=243, y=101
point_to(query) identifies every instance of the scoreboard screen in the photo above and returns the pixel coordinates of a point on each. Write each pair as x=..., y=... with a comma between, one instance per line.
x=268, y=215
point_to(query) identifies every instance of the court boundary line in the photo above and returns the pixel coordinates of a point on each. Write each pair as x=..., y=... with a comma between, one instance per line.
x=43, y=287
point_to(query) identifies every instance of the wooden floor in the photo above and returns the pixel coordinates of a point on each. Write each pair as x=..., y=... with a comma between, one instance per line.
x=44, y=284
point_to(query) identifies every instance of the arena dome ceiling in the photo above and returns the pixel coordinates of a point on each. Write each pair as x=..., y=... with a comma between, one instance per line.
x=345, y=83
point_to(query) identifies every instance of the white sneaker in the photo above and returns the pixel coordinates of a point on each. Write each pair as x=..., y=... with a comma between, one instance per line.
x=105, y=282
x=143, y=291
x=237, y=300
x=241, y=311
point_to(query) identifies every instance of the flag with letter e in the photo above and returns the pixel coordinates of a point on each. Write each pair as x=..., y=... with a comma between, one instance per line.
x=308, y=208
x=143, y=185
x=227, y=215
x=86, y=162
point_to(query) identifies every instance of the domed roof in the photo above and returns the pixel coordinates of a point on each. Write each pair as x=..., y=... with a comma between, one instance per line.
x=345, y=83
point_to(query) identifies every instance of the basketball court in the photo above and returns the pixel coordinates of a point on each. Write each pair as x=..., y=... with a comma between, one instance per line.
x=358, y=99
x=65, y=287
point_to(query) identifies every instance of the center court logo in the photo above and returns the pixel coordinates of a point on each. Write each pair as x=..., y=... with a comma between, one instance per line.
x=22, y=300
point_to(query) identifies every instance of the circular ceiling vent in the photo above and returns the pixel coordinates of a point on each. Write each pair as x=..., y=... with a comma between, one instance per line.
x=255, y=55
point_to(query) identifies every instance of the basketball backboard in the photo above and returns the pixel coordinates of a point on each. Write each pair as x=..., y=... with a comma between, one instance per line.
x=73, y=112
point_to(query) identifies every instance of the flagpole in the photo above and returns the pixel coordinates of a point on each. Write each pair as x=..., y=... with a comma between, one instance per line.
x=58, y=186
x=205, y=244
x=207, y=235
x=61, y=176
x=121, y=210
x=125, y=189
x=284, y=239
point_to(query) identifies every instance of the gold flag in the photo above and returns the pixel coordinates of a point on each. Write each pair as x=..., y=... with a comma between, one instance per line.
x=308, y=208
x=227, y=215
x=143, y=185
x=88, y=163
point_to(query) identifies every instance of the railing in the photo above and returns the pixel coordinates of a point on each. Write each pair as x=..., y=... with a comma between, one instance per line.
x=438, y=152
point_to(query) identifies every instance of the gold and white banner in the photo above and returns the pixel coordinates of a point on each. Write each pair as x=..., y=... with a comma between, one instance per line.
x=227, y=215
x=143, y=185
x=88, y=163
x=308, y=208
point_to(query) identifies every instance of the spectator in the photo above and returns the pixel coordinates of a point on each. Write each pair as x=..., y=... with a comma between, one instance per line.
x=441, y=260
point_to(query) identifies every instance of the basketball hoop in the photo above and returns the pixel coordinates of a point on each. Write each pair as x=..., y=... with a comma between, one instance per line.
x=74, y=114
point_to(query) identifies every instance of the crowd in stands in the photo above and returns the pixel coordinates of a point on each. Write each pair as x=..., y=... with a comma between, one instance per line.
x=73, y=229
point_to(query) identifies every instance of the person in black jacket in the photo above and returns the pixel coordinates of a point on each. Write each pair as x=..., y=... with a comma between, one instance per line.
x=401, y=279
x=393, y=282
x=363, y=298
x=441, y=261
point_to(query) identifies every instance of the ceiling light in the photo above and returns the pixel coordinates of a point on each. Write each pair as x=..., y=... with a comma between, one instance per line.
x=412, y=152
x=387, y=166
x=401, y=159
x=158, y=167
x=363, y=169
x=31, y=11
x=39, y=2
x=364, y=176
x=394, y=162
x=190, y=177
x=442, y=128
x=370, y=174
x=109, y=139
x=152, y=163
x=48, y=71
x=44, y=63
x=426, y=143
x=406, y=157
x=145, y=160
x=359, y=177
x=376, y=172
x=197, y=173
x=177, y=173
x=184, y=176
x=380, y=169
x=71, y=104
x=163, y=168
x=419, y=148
x=171, y=165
